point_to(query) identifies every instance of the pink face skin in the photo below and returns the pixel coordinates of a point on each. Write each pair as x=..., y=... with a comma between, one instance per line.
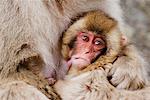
x=87, y=47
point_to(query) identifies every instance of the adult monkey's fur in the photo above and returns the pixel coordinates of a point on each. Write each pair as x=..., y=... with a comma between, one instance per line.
x=95, y=86
x=29, y=34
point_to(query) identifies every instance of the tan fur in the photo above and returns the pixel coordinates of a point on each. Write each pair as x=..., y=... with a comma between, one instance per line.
x=130, y=70
x=95, y=86
x=31, y=29
x=26, y=92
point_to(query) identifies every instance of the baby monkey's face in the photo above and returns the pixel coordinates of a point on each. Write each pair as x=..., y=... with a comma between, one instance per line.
x=88, y=46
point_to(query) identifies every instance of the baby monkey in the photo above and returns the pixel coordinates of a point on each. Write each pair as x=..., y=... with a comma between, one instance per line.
x=95, y=41
x=90, y=40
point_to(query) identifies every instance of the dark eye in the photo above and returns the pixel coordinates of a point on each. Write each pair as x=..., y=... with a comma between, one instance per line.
x=85, y=38
x=98, y=42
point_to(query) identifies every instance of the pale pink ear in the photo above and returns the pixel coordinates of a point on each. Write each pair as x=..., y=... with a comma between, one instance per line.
x=124, y=40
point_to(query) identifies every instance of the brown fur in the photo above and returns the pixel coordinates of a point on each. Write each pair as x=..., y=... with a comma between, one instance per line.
x=99, y=22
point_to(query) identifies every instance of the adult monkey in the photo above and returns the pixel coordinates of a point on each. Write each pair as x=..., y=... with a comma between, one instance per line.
x=29, y=34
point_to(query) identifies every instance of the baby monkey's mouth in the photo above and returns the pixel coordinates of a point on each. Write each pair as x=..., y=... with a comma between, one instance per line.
x=80, y=58
x=79, y=62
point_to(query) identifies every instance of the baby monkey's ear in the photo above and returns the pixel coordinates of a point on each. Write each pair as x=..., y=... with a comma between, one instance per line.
x=124, y=40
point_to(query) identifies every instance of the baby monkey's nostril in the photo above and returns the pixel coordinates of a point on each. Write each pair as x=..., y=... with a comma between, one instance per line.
x=86, y=52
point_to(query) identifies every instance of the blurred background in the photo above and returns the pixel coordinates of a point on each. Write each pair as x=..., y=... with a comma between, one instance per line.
x=137, y=16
